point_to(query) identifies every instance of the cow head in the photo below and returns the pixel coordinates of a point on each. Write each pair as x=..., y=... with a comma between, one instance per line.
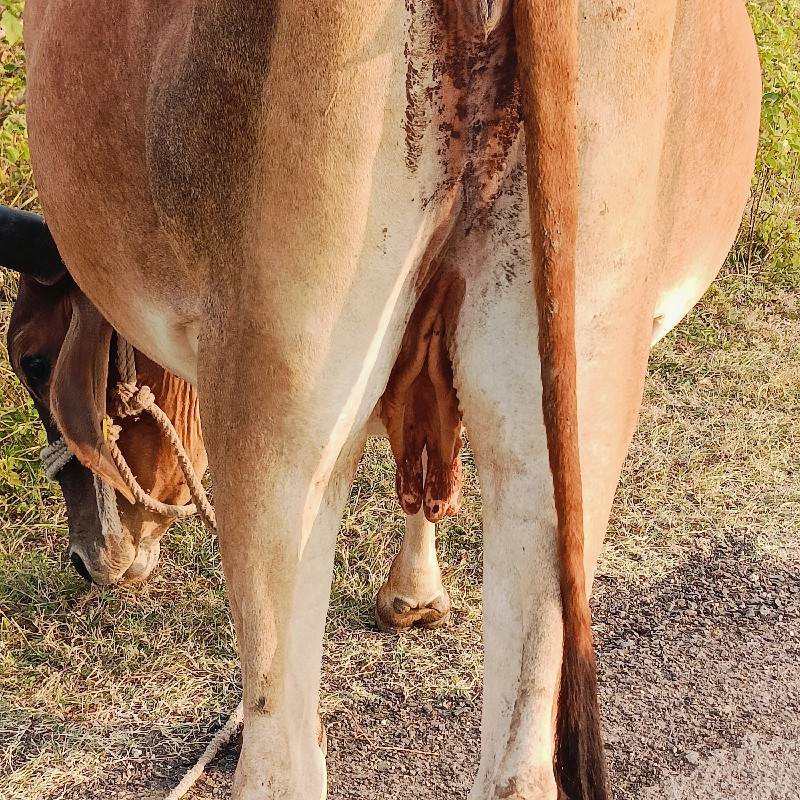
x=59, y=348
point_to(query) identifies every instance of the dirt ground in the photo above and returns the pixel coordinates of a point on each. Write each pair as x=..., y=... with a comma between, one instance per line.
x=700, y=694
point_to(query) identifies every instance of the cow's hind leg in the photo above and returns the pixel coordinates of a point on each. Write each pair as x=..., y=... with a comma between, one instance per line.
x=497, y=373
x=522, y=613
x=282, y=472
x=413, y=593
x=497, y=377
x=279, y=587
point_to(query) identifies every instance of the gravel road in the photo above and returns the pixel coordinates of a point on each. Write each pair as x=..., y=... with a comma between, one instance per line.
x=700, y=693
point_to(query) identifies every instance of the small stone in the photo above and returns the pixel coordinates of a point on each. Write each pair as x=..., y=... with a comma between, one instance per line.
x=693, y=757
x=136, y=753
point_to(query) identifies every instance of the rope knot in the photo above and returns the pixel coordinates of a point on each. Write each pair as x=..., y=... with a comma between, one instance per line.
x=111, y=431
x=133, y=399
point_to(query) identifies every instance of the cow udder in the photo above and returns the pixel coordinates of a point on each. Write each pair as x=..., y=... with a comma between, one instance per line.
x=420, y=407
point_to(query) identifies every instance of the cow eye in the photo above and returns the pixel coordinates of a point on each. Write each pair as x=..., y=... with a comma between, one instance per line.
x=36, y=369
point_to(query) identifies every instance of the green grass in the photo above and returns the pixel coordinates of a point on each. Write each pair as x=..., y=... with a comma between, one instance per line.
x=93, y=679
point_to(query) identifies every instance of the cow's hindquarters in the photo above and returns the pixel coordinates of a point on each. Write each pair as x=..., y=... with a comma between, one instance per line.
x=305, y=314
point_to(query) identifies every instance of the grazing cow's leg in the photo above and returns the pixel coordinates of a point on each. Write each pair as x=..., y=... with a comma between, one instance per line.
x=413, y=593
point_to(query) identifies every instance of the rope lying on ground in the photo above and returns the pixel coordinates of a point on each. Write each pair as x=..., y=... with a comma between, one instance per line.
x=221, y=738
x=132, y=401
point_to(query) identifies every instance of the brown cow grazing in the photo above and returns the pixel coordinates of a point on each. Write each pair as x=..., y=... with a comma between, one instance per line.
x=38, y=340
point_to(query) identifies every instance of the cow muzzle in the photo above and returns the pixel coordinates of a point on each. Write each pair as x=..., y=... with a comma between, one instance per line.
x=111, y=541
x=121, y=566
x=104, y=566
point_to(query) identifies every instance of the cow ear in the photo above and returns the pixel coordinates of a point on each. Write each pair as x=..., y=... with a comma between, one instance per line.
x=27, y=246
x=78, y=391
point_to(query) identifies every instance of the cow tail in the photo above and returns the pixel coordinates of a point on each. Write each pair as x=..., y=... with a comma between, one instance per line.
x=547, y=45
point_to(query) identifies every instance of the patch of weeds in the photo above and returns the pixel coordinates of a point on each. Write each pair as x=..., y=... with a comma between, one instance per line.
x=768, y=246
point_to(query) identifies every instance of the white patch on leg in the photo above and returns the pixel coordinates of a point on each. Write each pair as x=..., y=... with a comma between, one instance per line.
x=348, y=417
x=673, y=306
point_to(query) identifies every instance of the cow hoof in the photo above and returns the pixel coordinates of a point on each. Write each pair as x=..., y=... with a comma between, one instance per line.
x=396, y=614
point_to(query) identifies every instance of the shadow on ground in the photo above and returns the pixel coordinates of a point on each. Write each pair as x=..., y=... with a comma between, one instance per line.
x=700, y=693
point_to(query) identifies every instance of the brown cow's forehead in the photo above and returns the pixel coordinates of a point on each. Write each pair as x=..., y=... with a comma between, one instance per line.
x=40, y=320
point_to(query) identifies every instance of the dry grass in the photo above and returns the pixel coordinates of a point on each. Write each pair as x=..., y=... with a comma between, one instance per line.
x=94, y=679
x=718, y=442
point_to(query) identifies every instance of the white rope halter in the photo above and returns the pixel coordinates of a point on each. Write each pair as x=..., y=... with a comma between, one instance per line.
x=132, y=400
x=55, y=457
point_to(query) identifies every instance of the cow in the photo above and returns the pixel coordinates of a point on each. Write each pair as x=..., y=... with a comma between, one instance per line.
x=413, y=594
x=40, y=340
x=425, y=212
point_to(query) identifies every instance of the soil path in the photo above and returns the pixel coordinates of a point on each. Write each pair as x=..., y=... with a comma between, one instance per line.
x=700, y=691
